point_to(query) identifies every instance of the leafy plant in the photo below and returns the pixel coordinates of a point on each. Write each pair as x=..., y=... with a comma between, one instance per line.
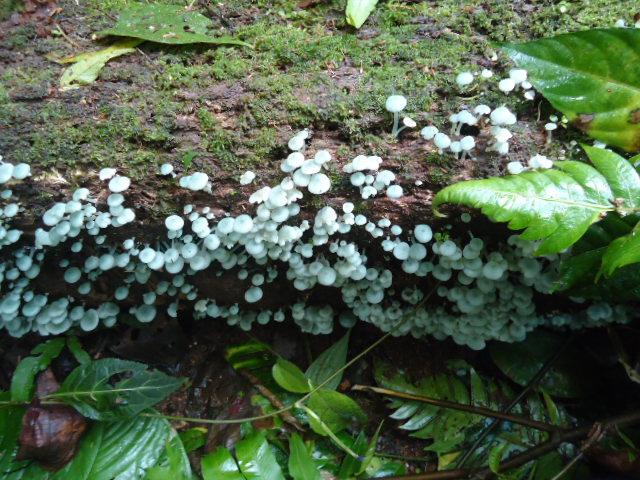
x=88, y=389
x=593, y=77
x=23, y=380
x=562, y=205
x=451, y=430
x=358, y=11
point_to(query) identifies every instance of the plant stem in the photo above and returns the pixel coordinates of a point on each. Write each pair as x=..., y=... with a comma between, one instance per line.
x=557, y=438
x=486, y=412
x=523, y=393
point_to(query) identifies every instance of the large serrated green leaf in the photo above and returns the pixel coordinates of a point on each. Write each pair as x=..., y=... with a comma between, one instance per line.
x=171, y=24
x=556, y=206
x=593, y=77
x=88, y=389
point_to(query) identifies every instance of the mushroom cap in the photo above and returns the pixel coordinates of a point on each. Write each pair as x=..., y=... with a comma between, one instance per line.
x=395, y=103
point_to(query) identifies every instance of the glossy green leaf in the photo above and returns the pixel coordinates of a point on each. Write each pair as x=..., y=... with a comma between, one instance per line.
x=621, y=252
x=220, y=465
x=118, y=451
x=329, y=362
x=23, y=380
x=171, y=24
x=89, y=390
x=556, y=206
x=301, y=465
x=10, y=425
x=256, y=458
x=87, y=66
x=336, y=411
x=521, y=362
x=289, y=376
x=358, y=11
x=174, y=462
x=575, y=269
x=592, y=76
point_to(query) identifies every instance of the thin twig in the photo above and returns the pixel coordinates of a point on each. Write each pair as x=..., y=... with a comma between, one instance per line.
x=557, y=438
x=486, y=412
x=523, y=393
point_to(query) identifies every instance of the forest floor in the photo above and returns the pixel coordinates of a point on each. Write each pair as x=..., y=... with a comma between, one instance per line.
x=226, y=110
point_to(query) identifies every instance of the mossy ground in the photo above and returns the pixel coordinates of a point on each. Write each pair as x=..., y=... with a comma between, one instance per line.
x=224, y=110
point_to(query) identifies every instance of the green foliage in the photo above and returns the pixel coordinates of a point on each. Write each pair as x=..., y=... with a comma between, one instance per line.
x=301, y=466
x=23, y=380
x=335, y=411
x=593, y=77
x=358, y=11
x=171, y=24
x=88, y=389
x=329, y=362
x=290, y=377
x=557, y=205
x=254, y=460
x=521, y=361
x=87, y=66
x=451, y=431
x=174, y=463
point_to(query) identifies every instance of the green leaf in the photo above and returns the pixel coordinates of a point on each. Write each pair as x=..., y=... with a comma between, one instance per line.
x=79, y=353
x=174, y=463
x=495, y=457
x=621, y=252
x=88, y=389
x=329, y=362
x=576, y=269
x=256, y=458
x=620, y=174
x=194, y=438
x=118, y=451
x=87, y=66
x=521, y=361
x=593, y=77
x=10, y=425
x=289, y=376
x=301, y=466
x=358, y=11
x=171, y=24
x=23, y=380
x=220, y=465
x=336, y=411
x=556, y=206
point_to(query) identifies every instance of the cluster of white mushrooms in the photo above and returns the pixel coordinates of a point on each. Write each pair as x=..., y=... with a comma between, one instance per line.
x=483, y=293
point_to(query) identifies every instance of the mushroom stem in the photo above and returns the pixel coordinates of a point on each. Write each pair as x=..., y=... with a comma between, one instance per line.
x=549, y=136
x=396, y=123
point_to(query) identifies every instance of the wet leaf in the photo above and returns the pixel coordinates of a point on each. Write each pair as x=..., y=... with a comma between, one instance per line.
x=329, y=362
x=118, y=450
x=256, y=458
x=174, y=462
x=88, y=389
x=358, y=11
x=593, y=77
x=79, y=353
x=301, y=465
x=336, y=411
x=521, y=361
x=87, y=66
x=23, y=381
x=194, y=438
x=220, y=465
x=289, y=376
x=171, y=24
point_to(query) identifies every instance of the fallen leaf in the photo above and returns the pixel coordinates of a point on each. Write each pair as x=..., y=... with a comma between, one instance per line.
x=87, y=66
x=166, y=24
